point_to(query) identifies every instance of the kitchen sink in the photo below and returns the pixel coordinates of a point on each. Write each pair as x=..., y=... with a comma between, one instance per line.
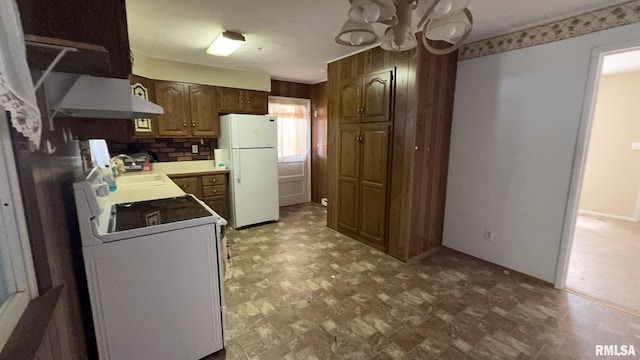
x=141, y=180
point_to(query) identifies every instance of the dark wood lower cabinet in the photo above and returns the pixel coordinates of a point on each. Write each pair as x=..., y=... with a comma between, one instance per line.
x=210, y=188
x=363, y=151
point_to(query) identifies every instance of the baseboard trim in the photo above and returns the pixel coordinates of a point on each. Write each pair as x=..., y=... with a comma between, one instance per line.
x=425, y=254
x=612, y=216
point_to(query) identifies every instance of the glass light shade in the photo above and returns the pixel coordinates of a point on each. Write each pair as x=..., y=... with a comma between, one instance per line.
x=226, y=44
x=389, y=44
x=372, y=11
x=356, y=34
x=448, y=7
x=449, y=28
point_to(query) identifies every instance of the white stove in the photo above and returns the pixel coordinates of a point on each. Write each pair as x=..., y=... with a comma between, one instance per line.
x=153, y=271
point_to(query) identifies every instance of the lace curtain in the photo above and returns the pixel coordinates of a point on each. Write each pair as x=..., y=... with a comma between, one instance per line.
x=17, y=95
x=292, y=129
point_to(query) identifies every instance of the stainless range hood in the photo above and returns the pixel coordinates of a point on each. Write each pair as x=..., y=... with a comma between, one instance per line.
x=86, y=96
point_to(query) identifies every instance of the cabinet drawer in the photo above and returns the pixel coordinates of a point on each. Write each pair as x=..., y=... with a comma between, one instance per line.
x=189, y=185
x=214, y=190
x=209, y=180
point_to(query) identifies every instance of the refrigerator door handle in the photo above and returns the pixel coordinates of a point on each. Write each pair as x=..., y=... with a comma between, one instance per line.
x=237, y=167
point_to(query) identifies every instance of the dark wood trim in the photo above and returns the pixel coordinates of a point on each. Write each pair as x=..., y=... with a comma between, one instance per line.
x=26, y=338
x=318, y=142
x=290, y=89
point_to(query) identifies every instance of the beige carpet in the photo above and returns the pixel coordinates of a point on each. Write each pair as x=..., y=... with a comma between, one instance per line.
x=605, y=261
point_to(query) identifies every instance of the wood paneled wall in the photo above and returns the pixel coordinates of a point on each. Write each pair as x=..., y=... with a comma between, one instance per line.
x=290, y=89
x=46, y=185
x=318, y=141
x=422, y=113
x=436, y=89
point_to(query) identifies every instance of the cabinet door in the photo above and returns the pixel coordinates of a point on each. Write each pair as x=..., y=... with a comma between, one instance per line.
x=174, y=98
x=376, y=97
x=231, y=100
x=219, y=204
x=348, y=177
x=204, y=111
x=350, y=96
x=190, y=185
x=256, y=102
x=144, y=88
x=373, y=182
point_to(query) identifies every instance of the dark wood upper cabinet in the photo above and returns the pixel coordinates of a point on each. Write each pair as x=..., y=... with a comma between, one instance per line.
x=376, y=97
x=366, y=98
x=231, y=100
x=242, y=101
x=174, y=98
x=350, y=100
x=204, y=111
x=99, y=22
x=189, y=110
x=257, y=102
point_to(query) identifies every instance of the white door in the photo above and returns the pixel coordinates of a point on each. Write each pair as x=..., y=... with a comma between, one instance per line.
x=294, y=148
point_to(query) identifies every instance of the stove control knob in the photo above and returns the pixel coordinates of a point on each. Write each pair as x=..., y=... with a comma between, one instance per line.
x=102, y=190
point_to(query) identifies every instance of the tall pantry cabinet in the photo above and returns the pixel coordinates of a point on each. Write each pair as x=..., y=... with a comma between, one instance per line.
x=389, y=126
x=363, y=148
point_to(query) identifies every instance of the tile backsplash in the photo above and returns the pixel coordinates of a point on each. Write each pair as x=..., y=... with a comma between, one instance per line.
x=177, y=149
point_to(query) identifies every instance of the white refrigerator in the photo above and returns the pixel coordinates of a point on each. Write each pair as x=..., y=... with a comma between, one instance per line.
x=248, y=148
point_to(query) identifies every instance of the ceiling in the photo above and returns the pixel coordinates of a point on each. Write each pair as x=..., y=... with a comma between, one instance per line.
x=294, y=39
x=621, y=62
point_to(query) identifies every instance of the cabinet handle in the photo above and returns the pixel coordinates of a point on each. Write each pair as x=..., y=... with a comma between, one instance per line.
x=212, y=180
x=359, y=138
x=184, y=124
x=193, y=124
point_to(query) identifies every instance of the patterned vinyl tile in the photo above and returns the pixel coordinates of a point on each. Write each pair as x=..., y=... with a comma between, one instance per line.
x=300, y=290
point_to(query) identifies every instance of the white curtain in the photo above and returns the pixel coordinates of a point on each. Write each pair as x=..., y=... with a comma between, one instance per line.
x=292, y=129
x=16, y=89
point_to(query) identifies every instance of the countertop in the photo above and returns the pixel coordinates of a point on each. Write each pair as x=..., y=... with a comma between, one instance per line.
x=156, y=184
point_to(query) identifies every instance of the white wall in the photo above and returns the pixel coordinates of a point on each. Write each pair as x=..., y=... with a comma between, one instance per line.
x=612, y=173
x=160, y=69
x=515, y=125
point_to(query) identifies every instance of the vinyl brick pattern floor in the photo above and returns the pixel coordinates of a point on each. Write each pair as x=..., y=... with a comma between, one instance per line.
x=303, y=291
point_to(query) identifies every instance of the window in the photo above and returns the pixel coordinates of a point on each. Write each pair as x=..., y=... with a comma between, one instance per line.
x=17, y=279
x=293, y=119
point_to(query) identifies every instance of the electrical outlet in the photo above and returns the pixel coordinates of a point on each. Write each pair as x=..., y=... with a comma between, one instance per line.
x=635, y=146
x=194, y=149
x=323, y=201
x=489, y=234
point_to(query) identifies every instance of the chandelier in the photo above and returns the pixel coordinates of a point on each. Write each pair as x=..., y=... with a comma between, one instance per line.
x=442, y=20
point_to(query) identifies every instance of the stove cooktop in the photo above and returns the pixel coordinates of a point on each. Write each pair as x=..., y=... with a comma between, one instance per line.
x=141, y=214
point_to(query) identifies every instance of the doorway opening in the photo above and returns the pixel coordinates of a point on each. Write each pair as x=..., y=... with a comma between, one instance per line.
x=294, y=148
x=599, y=256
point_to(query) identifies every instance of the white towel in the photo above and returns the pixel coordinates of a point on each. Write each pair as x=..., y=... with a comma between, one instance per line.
x=16, y=87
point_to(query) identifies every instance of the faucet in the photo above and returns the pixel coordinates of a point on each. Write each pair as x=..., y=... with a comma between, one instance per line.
x=113, y=159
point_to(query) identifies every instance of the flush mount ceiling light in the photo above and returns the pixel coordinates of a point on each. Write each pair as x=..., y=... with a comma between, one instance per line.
x=226, y=43
x=443, y=20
